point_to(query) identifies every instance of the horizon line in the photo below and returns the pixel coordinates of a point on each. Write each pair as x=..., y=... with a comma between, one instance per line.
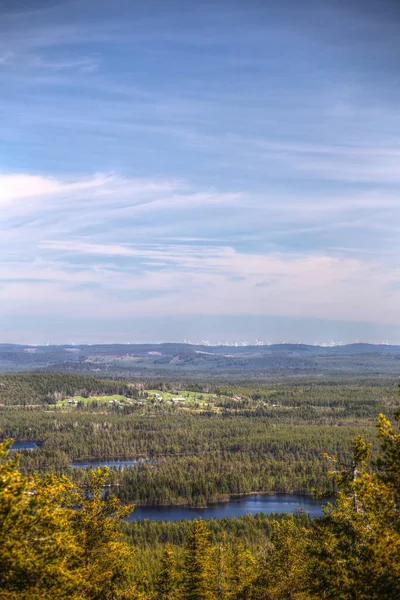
x=243, y=344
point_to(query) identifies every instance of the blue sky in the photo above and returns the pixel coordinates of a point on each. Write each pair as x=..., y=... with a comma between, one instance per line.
x=202, y=170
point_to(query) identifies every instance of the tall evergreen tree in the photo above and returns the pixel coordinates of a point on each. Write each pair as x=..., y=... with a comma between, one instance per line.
x=197, y=583
x=220, y=566
x=389, y=462
x=241, y=572
x=354, y=551
x=39, y=553
x=106, y=560
x=283, y=565
x=167, y=584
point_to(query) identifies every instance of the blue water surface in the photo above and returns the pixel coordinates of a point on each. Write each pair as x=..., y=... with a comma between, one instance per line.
x=24, y=445
x=93, y=464
x=235, y=508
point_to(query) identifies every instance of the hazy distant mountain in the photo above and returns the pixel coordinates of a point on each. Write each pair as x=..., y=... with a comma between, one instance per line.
x=189, y=360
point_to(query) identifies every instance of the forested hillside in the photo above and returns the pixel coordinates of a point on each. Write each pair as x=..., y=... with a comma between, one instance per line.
x=46, y=388
x=212, y=443
x=194, y=362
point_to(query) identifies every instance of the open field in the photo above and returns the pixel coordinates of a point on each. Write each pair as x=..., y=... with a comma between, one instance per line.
x=184, y=399
x=72, y=401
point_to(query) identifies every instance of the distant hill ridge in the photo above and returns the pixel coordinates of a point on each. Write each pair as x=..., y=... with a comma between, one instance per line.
x=165, y=345
x=182, y=359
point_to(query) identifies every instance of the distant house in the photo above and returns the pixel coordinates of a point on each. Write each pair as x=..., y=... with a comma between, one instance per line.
x=178, y=399
x=72, y=401
x=238, y=398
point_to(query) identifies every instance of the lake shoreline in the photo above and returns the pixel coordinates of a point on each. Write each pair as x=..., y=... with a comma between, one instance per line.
x=184, y=504
x=226, y=500
x=246, y=504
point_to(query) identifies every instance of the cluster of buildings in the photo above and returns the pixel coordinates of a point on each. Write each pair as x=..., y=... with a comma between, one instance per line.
x=175, y=399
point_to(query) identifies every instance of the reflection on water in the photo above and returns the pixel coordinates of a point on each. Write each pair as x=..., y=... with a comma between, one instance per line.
x=249, y=505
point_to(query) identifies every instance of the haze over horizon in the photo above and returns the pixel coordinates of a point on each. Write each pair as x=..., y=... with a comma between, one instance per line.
x=162, y=331
x=216, y=170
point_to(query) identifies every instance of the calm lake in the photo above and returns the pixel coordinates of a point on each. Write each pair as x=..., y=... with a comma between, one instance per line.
x=235, y=508
x=119, y=464
x=24, y=445
x=285, y=503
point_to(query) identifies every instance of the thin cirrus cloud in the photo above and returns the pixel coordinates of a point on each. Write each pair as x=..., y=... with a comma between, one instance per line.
x=214, y=276
x=229, y=159
x=158, y=265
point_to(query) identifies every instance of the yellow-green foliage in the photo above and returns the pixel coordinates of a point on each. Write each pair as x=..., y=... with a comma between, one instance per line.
x=60, y=541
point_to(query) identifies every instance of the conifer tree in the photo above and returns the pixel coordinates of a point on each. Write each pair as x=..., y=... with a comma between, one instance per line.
x=241, y=573
x=197, y=582
x=389, y=463
x=220, y=565
x=106, y=561
x=354, y=551
x=38, y=549
x=283, y=563
x=167, y=584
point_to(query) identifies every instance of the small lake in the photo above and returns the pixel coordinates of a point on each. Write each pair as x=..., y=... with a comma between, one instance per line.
x=235, y=508
x=24, y=445
x=119, y=464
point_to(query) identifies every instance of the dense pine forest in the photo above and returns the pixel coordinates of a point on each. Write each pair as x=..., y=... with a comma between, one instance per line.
x=197, y=443
x=24, y=389
x=216, y=442
x=62, y=540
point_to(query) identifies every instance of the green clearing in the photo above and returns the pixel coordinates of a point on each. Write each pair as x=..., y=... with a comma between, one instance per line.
x=183, y=399
x=190, y=398
x=100, y=399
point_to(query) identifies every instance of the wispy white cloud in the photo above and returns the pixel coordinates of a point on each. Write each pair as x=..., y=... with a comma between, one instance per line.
x=207, y=283
x=56, y=247
x=174, y=209
x=6, y=58
x=84, y=64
